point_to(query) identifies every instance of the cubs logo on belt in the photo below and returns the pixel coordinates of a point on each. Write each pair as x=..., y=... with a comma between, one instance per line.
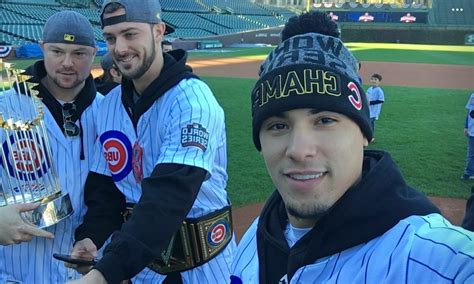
x=27, y=158
x=117, y=150
x=217, y=233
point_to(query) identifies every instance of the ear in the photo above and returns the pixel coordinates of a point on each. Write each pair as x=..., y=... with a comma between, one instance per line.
x=159, y=31
x=113, y=72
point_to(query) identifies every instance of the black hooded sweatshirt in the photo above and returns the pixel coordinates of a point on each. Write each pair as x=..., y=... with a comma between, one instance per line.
x=167, y=195
x=367, y=210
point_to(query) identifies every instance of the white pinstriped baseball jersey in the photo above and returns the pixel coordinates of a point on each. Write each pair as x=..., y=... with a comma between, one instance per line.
x=375, y=94
x=33, y=262
x=419, y=249
x=184, y=126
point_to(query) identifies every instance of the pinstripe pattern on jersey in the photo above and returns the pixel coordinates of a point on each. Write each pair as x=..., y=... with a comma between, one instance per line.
x=419, y=249
x=33, y=262
x=159, y=134
x=245, y=264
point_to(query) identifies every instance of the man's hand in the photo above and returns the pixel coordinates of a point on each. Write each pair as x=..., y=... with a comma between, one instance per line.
x=14, y=229
x=83, y=249
x=93, y=277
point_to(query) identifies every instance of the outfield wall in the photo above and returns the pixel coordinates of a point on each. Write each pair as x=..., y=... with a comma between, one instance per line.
x=420, y=34
x=403, y=33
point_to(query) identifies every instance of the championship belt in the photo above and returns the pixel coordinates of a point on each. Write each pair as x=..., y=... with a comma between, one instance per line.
x=26, y=165
x=197, y=241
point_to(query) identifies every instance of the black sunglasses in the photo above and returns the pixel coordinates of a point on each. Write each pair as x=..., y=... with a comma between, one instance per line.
x=70, y=128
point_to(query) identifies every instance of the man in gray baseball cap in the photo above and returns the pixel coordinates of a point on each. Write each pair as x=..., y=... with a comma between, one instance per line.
x=70, y=103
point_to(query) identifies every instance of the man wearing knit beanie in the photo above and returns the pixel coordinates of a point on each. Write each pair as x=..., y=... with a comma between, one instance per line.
x=70, y=104
x=339, y=213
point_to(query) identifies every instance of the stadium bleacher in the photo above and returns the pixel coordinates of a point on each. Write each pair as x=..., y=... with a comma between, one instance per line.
x=183, y=6
x=242, y=7
x=22, y=20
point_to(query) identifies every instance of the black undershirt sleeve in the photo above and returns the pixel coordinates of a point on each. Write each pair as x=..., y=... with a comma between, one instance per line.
x=167, y=197
x=105, y=205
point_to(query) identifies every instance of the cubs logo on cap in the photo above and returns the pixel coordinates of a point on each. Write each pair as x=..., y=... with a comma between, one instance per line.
x=117, y=151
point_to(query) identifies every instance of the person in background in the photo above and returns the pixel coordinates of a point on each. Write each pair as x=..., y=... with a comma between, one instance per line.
x=376, y=99
x=111, y=77
x=469, y=132
x=166, y=46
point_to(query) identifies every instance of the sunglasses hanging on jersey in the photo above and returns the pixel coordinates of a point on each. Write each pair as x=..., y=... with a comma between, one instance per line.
x=70, y=128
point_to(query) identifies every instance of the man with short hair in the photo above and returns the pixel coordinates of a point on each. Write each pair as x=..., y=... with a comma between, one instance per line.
x=111, y=77
x=70, y=105
x=162, y=145
x=339, y=214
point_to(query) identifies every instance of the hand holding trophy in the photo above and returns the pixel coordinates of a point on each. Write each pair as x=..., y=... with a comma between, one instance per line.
x=28, y=174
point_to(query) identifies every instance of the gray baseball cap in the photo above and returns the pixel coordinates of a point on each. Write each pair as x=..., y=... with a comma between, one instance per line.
x=141, y=11
x=68, y=27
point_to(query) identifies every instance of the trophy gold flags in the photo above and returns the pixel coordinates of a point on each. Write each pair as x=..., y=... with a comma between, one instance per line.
x=26, y=165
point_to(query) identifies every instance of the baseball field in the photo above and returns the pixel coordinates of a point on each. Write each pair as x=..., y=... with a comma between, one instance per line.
x=421, y=124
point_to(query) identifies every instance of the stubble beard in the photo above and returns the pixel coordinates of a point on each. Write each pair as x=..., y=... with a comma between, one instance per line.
x=58, y=83
x=307, y=212
x=146, y=64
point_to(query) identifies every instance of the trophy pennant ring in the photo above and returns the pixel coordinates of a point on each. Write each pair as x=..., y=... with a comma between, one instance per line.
x=26, y=165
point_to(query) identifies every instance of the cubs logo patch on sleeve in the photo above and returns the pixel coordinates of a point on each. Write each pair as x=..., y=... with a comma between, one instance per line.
x=194, y=135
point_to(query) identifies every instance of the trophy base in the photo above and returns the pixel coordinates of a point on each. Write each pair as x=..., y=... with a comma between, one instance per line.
x=50, y=211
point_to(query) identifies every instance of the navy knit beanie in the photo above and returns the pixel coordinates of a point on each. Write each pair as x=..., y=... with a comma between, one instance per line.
x=309, y=71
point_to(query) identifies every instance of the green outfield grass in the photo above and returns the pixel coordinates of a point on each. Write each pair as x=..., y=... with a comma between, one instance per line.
x=422, y=128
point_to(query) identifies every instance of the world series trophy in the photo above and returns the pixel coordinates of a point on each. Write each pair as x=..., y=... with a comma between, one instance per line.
x=28, y=173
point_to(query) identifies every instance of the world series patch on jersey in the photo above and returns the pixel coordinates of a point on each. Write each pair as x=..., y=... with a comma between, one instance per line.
x=194, y=135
